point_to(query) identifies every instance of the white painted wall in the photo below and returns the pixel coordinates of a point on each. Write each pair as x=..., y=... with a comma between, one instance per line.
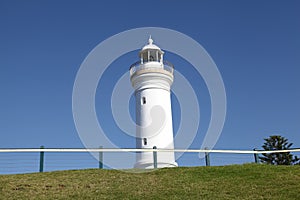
x=153, y=116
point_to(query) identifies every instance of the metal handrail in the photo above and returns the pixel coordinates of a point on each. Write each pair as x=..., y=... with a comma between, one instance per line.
x=138, y=65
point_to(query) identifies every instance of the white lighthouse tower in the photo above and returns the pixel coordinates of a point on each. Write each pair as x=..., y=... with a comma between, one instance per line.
x=151, y=79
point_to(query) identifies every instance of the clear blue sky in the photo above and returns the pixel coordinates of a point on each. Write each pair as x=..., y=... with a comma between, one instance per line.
x=255, y=44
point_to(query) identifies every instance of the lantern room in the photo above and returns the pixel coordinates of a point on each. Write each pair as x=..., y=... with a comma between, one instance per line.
x=151, y=53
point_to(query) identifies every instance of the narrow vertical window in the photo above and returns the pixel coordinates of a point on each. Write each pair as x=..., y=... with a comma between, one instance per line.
x=143, y=100
x=145, y=141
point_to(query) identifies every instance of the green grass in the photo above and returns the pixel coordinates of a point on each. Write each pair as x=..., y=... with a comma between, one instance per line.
x=249, y=181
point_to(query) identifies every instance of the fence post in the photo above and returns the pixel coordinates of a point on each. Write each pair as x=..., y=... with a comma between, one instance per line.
x=42, y=159
x=101, y=158
x=154, y=158
x=207, y=160
x=256, y=158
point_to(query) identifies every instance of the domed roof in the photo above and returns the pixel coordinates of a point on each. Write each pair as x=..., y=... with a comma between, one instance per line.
x=150, y=46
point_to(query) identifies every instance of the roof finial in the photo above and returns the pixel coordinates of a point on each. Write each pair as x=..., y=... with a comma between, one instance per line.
x=150, y=41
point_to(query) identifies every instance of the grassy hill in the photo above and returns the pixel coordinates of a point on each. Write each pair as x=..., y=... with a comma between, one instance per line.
x=249, y=181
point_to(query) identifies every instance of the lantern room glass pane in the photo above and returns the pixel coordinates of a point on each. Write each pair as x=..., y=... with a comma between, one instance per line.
x=145, y=56
x=154, y=55
x=151, y=55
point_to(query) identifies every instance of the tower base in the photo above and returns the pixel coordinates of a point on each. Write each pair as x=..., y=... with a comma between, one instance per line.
x=143, y=165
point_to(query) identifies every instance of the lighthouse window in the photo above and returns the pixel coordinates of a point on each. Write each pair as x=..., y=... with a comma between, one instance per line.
x=153, y=55
x=145, y=141
x=143, y=100
x=145, y=56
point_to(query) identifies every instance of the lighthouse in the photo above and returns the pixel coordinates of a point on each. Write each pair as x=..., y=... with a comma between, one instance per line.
x=151, y=78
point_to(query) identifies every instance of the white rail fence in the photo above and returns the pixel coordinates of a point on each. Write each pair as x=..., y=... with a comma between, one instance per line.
x=18, y=160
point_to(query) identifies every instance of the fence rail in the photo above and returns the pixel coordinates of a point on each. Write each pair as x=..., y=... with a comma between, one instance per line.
x=148, y=150
x=17, y=160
